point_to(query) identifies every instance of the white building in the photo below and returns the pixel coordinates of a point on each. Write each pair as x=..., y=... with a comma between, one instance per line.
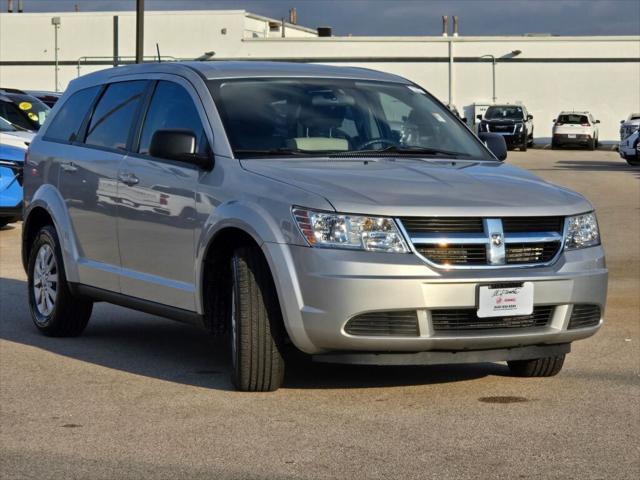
x=549, y=74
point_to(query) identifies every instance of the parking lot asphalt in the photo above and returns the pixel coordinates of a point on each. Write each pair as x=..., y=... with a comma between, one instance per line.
x=142, y=397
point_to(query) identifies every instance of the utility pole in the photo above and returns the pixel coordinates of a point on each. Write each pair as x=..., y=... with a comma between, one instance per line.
x=55, y=21
x=139, y=31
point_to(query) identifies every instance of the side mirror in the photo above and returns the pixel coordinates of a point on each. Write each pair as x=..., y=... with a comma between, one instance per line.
x=178, y=145
x=530, y=117
x=495, y=143
x=597, y=121
x=554, y=120
x=479, y=117
x=621, y=121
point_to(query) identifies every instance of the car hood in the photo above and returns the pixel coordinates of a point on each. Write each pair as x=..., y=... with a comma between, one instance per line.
x=410, y=186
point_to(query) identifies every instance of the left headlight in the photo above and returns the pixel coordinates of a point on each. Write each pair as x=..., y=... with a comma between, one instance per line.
x=336, y=230
x=582, y=231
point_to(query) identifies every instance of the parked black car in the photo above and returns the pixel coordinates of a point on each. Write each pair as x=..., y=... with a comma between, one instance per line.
x=513, y=122
x=48, y=98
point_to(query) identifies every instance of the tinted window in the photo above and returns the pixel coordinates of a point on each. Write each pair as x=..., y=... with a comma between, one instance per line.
x=114, y=115
x=171, y=108
x=10, y=112
x=65, y=125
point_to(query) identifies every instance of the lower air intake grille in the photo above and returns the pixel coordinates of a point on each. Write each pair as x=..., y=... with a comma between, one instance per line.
x=384, y=324
x=541, y=252
x=585, y=316
x=467, y=319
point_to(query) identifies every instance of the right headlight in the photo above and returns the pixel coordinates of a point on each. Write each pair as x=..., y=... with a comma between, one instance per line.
x=582, y=231
x=357, y=232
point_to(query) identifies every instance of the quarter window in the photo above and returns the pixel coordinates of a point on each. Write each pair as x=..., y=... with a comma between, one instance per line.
x=65, y=125
x=114, y=115
x=171, y=108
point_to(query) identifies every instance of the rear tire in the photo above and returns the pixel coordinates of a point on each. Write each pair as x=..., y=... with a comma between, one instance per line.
x=540, y=367
x=4, y=222
x=591, y=144
x=55, y=311
x=256, y=324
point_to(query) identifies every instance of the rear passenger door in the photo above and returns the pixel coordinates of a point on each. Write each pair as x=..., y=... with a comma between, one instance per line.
x=88, y=167
x=157, y=206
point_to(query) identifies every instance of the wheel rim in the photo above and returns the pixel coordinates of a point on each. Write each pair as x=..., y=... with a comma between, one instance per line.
x=45, y=281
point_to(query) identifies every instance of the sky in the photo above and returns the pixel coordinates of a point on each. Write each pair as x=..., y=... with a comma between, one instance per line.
x=408, y=17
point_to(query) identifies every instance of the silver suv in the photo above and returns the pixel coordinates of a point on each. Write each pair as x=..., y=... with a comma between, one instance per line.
x=339, y=212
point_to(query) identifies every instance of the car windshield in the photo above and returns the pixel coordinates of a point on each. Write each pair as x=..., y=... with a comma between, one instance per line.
x=508, y=113
x=320, y=117
x=6, y=126
x=25, y=111
x=573, y=119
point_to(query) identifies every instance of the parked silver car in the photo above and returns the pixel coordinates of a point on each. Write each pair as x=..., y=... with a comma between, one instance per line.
x=340, y=212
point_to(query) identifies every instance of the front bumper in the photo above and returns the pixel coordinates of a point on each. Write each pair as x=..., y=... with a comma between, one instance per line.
x=513, y=139
x=321, y=289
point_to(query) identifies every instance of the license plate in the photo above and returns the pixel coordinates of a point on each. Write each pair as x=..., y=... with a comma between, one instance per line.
x=571, y=136
x=505, y=300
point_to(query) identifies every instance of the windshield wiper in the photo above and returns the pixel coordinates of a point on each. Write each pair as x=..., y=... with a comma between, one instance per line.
x=411, y=150
x=269, y=151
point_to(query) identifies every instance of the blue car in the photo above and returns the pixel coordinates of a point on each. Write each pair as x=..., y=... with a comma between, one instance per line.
x=11, y=166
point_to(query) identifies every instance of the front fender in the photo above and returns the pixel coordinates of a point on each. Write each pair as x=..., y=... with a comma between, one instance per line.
x=48, y=198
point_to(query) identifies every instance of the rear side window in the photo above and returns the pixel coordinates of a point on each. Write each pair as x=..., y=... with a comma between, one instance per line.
x=66, y=124
x=171, y=108
x=114, y=115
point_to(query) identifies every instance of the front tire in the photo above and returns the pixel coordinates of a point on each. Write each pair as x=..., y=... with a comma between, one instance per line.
x=55, y=311
x=256, y=324
x=540, y=367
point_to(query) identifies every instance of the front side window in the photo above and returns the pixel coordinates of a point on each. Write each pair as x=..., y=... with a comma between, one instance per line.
x=66, y=124
x=315, y=117
x=504, y=113
x=114, y=115
x=171, y=108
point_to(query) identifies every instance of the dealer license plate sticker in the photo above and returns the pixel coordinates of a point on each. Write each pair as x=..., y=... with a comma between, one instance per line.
x=505, y=300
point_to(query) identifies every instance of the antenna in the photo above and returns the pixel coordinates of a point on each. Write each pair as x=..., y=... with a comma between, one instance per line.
x=158, y=49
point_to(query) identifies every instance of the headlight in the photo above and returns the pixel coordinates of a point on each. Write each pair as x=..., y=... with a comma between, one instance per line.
x=582, y=231
x=335, y=230
x=518, y=127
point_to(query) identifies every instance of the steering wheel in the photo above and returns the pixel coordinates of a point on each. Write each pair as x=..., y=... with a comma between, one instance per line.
x=384, y=141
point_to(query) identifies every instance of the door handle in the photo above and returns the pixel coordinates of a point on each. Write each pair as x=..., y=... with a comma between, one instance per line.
x=68, y=167
x=128, y=178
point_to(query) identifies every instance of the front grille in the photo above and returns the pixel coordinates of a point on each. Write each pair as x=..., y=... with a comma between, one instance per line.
x=532, y=224
x=531, y=252
x=442, y=224
x=458, y=242
x=462, y=254
x=467, y=319
x=384, y=324
x=584, y=315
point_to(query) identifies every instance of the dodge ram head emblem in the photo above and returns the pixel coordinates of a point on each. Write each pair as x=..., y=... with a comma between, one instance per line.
x=496, y=239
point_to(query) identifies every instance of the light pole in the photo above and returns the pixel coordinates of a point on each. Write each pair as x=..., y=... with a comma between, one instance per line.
x=513, y=53
x=55, y=21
